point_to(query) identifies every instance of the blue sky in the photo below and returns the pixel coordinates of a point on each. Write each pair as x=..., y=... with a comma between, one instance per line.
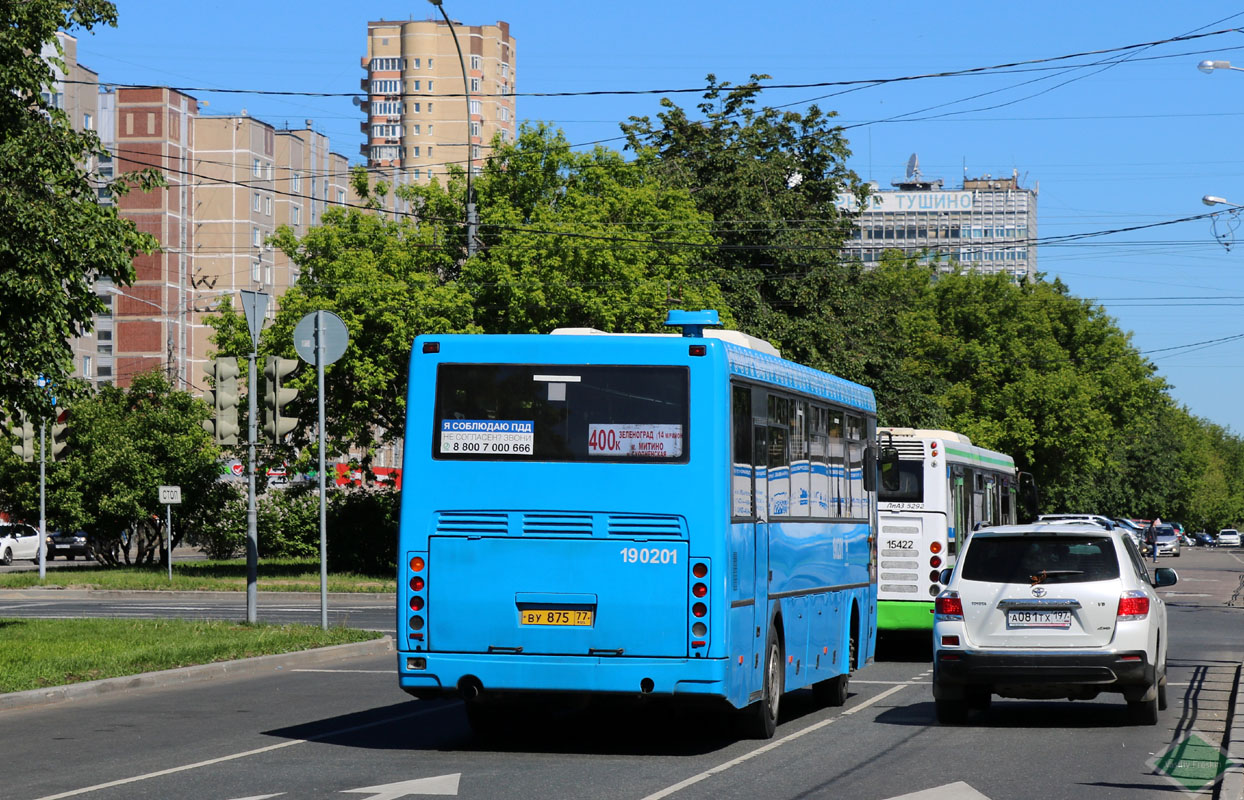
x=1110, y=147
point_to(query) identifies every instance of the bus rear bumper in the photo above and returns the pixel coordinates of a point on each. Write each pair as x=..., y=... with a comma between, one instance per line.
x=459, y=673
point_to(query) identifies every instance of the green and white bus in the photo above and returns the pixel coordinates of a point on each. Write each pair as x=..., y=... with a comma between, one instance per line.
x=942, y=489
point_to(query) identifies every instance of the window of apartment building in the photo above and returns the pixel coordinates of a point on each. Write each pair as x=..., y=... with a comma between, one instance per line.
x=475, y=128
x=86, y=122
x=257, y=169
x=429, y=63
x=256, y=237
x=413, y=107
x=414, y=151
x=475, y=151
x=505, y=135
x=103, y=336
x=103, y=349
x=429, y=108
x=429, y=86
x=477, y=62
x=267, y=274
x=505, y=69
x=267, y=206
x=86, y=367
x=256, y=266
x=386, y=87
x=414, y=86
x=295, y=215
x=474, y=107
x=415, y=173
x=414, y=63
x=475, y=84
x=341, y=196
x=270, y=173
x=386, y=64
x=104, y=371
x=414, y=130
x=255, y=203
x=296, y=182
x=503, y=113
x=429, y=150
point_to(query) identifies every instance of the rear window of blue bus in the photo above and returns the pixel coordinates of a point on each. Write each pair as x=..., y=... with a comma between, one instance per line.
x=526, y=412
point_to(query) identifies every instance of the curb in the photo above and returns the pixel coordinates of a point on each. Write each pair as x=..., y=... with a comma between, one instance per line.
x=196, y=674
x=83, y=594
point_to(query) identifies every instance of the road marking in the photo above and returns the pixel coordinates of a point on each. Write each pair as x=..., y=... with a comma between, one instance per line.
x=235, y=756
x=1183, y=594
x=951, y=791
x=441, y=784
x=708, y=773
x=889, y=683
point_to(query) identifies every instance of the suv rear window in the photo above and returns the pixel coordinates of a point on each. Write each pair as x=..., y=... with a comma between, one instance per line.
x=1040, y=559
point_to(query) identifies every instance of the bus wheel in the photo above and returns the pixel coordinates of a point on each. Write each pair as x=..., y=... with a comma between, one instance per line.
x=761, y=716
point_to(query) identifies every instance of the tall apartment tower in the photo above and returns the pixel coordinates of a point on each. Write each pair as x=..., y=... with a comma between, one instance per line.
x=988, y=225
x=148, y=328
x=416, y=116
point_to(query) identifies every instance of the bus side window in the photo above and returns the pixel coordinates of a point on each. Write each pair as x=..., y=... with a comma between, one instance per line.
x=837, y=465
x=779, y=455
x=800, y=467
x=818, y=452
x=857, y=506
x=741, y=468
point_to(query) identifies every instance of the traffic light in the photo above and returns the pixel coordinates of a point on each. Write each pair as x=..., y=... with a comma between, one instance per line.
x=223, y=398
x=60, y=433
x=276, y=397
x=25, y=433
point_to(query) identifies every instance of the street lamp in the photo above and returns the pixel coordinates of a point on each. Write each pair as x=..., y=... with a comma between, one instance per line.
x=1209, y=66
x=166, y=319
x=466, y=90
x=1225, y=237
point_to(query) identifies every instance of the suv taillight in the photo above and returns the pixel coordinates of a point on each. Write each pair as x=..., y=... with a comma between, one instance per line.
x=948, y=605
x=1133, y=604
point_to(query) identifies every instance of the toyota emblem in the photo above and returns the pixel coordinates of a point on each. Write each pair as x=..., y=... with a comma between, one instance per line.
x=1038, y=591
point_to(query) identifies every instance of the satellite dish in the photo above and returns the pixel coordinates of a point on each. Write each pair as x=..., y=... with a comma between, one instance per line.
x=913, y=166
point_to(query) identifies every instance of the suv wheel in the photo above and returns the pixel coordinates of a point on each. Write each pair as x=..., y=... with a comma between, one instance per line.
x=7, y=558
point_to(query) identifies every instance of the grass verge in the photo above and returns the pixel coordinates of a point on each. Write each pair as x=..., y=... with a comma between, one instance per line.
x=53, y=652
x=275, y=575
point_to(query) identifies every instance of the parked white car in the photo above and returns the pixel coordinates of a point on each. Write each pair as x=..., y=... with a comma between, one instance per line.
x=1050, y=610
x=1228, y=537
x=18, y=541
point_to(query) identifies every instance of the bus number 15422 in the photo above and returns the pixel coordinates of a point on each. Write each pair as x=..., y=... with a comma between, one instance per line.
x=649, y=555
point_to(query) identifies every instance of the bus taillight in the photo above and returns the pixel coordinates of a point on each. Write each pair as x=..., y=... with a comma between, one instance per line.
x=416, y=584
x=416, y=564
x=416, y=603
x=699, y=590
x=936, y=547
x=935, y=561
x=700, y=569
x=699, y=609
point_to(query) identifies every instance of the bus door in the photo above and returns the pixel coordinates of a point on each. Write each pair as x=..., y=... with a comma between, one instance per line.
x=958, y=516
x=750, y=540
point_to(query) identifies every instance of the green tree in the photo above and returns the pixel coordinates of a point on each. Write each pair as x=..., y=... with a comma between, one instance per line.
x=123, y=445
x=55, y=239
x=769, y=180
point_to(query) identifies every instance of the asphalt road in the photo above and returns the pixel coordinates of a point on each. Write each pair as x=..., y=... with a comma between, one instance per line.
x=343, y=729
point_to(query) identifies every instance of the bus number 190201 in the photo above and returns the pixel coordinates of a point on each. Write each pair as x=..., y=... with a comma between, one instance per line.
x=649, y=555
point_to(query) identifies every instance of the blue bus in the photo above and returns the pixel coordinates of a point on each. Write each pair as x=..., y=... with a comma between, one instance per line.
x=688, y=517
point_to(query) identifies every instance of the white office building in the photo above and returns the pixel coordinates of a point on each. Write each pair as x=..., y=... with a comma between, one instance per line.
x=988, y=225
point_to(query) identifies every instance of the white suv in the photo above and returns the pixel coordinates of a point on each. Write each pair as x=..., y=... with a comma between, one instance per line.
x=1228, y=537
x=1047, y=611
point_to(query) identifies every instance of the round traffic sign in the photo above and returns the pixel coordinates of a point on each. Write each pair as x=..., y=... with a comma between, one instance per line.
x=333, y=333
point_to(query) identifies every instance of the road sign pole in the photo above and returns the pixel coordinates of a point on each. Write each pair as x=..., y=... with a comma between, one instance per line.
x=321, y=350
x=168, y=532
x=255, y=306
x=43, y=522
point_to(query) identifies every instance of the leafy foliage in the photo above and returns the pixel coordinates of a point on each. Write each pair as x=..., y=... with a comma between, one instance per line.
x=55, y=239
